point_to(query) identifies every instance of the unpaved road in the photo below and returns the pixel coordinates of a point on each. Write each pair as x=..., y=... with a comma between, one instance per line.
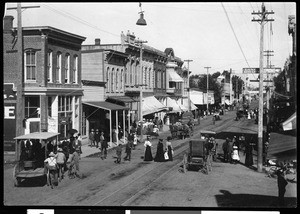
x=139, y=183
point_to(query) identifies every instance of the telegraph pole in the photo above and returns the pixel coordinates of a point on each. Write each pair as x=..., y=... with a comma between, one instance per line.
x=207, y=88
x=263, y=19
x=188, y=83
x=20, y=115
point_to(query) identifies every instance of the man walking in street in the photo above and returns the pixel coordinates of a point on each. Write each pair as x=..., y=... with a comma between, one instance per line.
x=97, y=138
x=225, y=150
x=118, y=153
x=104, y=145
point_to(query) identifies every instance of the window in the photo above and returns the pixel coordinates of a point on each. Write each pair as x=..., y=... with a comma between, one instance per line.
x=58, y=68
x=107, y=80
x=30, y=65
x=67, y=69
x=149, y=78
x=65, y=112
x=75, y=70
x=112, y=80
x=121, y=79
x=49, y=67
x=117, y=79
x=32, y=106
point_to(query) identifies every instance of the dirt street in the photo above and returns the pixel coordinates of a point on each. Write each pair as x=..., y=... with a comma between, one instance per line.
x=139, y=183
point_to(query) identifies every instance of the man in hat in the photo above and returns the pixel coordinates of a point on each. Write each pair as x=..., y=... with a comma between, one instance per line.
x=92, y=138
x=118, y=153
x=61, y=161
x=104, y=145
x=74, y=162
x=51, y=166
x=225, y=150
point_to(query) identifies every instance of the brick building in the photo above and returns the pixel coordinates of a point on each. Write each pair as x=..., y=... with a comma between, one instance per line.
x=51, y=79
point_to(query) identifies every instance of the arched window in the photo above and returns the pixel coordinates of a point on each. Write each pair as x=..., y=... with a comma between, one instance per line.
x=75, y=70
x=49, y=67
x=117, y=79
x=112, y=79
x=67, y=68
x=149, y=79
x=107, y=80
x=58, y=67
x=121, y=80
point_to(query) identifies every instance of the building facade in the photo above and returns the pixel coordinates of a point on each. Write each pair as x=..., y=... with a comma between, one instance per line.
x=51, y=77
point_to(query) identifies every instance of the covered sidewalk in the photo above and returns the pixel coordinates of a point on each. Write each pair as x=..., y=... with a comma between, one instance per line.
x=110, y=107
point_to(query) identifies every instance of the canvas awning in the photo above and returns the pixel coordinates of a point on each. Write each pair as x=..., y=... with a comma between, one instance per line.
x=174, y=77
x=196, y=97
x=106, y=105
x=173, y=104
x=186, y=105
x=151, y=105
x=290, y=123
x=124, y=99
x=282, y=146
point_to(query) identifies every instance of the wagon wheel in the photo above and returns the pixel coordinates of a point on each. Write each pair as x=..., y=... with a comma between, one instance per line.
x=184, y=162
x=15, y=178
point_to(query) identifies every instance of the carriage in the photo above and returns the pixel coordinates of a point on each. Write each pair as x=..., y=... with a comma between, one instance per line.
x=197, y=156
x=31, y=151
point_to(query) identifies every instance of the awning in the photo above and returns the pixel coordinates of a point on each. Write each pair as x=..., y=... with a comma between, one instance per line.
x=124, y=99
x=37, y=135
x=186, y=104
x=282, y=146
x=106, y=105
x=151, y=105
x=173, y=104
x=174, y=77
x=290, y=123
x=196, y=97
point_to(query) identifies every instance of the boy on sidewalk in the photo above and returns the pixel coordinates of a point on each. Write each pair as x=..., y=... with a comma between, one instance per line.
x=118, y=153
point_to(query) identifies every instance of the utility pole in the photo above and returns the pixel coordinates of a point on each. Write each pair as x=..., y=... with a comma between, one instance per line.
x=263, y=19
x=20, y=114
x=188, y=83
x=207, y=88
x=230, y=87
x=268, y=57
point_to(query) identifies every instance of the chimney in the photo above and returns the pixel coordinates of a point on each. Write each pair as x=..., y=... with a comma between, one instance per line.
x=8, y=22
x=97, y=41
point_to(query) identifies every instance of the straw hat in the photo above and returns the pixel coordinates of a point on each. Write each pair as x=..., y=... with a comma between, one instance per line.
x=51, y=154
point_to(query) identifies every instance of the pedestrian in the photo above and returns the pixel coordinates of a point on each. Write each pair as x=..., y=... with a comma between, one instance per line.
x=242, y=141
x=92, y=138
x=61, y=161
x=214, y=149
x=214, y=119
x=248, y=153
x=128, y=150
x=159, y=156
x=51, y=166
x=118, y=153
x=77, y=144
x=230, y=151
x=135, y=140
x=148, y=153
x=104, y=145
x=97, y=138
x=225, y=150
x=281, y=183
x=169, y=148
x=208, y=153
x=75, y=162
x=114, y=137
x=235, y=155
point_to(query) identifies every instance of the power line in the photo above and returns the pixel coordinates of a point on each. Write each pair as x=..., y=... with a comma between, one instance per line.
x=236, y=36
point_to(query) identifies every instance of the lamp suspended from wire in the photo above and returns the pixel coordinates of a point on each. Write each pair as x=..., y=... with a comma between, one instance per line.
x=141, y=20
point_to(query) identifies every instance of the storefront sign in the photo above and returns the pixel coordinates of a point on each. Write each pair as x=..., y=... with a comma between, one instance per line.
x=52, y=125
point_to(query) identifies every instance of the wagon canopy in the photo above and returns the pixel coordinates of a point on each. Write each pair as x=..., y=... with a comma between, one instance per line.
x=203, y=132
x=37, y=135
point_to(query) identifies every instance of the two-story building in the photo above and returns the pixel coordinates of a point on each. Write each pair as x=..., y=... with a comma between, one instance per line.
x=51, y=78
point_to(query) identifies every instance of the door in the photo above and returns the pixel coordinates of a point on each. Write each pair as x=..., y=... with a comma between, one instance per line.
x=34, y=127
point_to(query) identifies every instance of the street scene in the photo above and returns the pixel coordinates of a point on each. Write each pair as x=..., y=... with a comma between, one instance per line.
x=185, y=117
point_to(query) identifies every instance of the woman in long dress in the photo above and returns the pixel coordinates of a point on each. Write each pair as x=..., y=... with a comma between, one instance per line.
x=248, y=153
x=159, y=157
x=148, y=153
x=235, y=154
x=169, y=148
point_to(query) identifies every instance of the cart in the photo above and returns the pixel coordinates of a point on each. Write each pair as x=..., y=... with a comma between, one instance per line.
x=30, y=159
x=196, y=156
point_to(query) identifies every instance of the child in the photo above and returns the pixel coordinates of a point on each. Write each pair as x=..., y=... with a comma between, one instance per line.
x=119, y=153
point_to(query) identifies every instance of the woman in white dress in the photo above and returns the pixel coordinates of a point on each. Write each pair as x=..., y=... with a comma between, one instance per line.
x=235, y=154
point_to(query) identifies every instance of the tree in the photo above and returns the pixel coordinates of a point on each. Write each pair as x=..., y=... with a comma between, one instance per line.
x=213, y=85
x=237, y=86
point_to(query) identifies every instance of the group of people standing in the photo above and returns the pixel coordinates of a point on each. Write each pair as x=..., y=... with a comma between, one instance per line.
x=161, y=153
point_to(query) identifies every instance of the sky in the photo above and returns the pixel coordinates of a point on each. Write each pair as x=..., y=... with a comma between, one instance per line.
x=211, y=34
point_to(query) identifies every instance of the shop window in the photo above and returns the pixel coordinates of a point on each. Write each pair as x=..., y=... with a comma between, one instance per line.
x=32, y=106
